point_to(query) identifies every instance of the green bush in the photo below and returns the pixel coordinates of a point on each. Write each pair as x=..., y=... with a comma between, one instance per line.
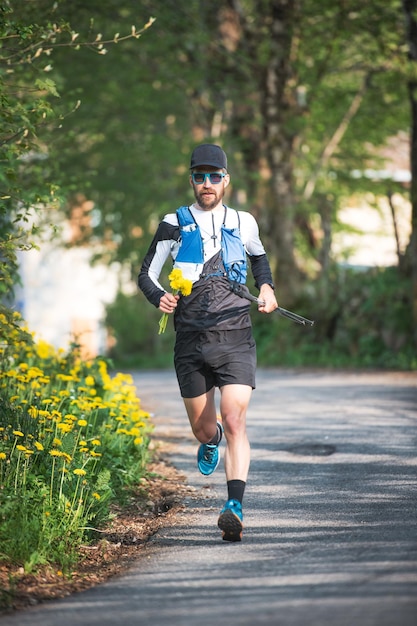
x=134, y=324
x=362, y=319
x=73, y=439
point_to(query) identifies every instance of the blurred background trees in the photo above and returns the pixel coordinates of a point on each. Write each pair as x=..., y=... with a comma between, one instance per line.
x=306, y=98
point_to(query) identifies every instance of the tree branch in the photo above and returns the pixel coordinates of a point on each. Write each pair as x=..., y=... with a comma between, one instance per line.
x=394, y=221
x=337, y=137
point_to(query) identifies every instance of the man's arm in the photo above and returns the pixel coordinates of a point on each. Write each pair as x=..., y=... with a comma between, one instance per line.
x=157, y=254
x=261, y=271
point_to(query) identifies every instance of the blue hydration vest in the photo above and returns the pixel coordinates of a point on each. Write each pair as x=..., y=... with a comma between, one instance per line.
x=191, y=247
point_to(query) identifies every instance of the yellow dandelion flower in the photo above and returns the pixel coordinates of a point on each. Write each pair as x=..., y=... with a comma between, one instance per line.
x=138, y=441
x=96, y=495
x=44, y=350
x=178, y=284
x=18, y=433
x=65, y=377
x=57, y=442
x=55, y=452
x=21, y=448
x=89, y=380
x=79, y=472
x=38, y=446
x=186, y=287
x=2, y=456
x=34, y=372
x=47, y=513
x=175, y=278
x=67, y=457
x=82, y=422
x=94, y=453
x=84, y=449
x=64, y=427
x=96, y=442
x=82, y=443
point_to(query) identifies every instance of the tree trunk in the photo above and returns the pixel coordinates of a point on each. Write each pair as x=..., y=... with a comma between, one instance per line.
x=410, y=9
x=279, y=107
x=266, y=46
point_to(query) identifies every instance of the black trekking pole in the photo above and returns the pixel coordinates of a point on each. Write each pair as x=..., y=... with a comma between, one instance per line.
x=243, y=292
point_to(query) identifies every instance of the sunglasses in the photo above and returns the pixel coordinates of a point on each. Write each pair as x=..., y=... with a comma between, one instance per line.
x=199, y=178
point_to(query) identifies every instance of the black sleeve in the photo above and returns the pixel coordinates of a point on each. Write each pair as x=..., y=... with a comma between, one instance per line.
x=154, y=260
x=261, y=270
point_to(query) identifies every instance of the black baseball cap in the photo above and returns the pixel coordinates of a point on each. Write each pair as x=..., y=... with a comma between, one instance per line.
x=208, y=154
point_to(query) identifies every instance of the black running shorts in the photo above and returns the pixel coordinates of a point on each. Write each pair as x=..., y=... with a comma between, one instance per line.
x=214, y=358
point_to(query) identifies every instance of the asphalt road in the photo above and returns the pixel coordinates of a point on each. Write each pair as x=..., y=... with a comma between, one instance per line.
x=330, y=515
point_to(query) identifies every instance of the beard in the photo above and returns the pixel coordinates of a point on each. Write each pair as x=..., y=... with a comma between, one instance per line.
x=208, y=201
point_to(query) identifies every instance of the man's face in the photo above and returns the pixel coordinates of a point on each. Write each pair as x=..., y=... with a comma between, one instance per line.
x=208, y=194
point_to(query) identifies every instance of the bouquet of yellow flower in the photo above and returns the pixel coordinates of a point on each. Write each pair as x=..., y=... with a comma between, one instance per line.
x=178, y=284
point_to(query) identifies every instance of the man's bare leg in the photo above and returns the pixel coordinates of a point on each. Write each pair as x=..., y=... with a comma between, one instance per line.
x=201, y=412
x=233, y=407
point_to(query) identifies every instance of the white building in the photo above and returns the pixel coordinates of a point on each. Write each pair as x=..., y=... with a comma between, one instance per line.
x=63, y=295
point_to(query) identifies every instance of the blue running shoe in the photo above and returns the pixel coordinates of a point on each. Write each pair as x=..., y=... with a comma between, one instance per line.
x=208, y=458
x=208, y=455
x=231, y=521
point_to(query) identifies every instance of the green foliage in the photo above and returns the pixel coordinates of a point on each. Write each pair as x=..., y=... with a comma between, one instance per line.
x=73, y=440
x=173, y=90
x=133, y=322
x=33, y=183
x=363, y=320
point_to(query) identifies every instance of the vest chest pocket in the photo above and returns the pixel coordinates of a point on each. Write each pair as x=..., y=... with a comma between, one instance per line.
x=191, y=248
x=234, y=255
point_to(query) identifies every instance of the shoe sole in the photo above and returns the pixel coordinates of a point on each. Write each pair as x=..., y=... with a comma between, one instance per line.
x=230, y=525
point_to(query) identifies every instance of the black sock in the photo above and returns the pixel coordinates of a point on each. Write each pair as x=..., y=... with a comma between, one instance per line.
x=236, y=489
x=217, y=437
